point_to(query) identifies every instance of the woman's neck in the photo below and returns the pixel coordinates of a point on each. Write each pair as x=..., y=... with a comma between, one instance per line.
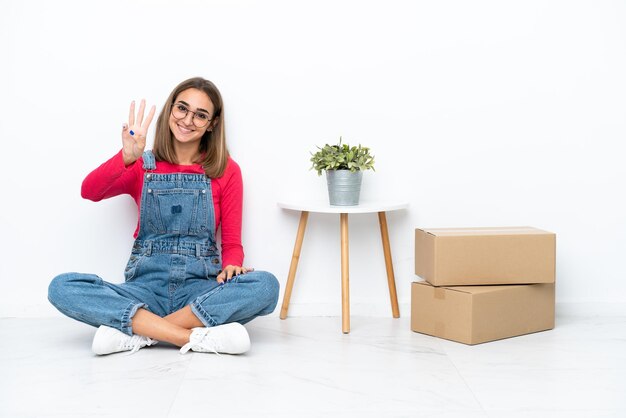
x=186, y=154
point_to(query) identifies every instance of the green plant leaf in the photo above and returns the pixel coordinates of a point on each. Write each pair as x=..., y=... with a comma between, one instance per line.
x=341, y=157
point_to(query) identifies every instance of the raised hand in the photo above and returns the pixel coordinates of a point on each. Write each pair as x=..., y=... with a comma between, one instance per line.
x=134, y=133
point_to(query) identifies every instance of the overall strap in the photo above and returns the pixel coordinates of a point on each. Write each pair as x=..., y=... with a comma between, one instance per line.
x=149, y=162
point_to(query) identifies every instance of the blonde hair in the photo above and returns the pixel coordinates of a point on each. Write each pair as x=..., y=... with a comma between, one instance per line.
x=213, y=151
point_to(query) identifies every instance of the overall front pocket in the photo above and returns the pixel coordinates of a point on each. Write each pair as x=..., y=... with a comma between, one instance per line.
x=177, y=211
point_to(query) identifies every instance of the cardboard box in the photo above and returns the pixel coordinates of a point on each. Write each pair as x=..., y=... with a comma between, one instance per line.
x=472, y=256
x=477, y=314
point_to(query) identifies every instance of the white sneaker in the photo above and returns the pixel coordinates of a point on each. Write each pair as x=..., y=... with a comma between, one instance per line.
x=229, y=339
x=110, y=340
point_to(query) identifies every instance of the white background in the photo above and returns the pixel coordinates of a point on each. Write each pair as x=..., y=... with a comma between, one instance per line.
x=481, y=113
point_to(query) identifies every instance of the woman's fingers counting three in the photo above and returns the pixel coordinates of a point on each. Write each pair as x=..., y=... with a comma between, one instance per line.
x=134, y=133
x=138, y=126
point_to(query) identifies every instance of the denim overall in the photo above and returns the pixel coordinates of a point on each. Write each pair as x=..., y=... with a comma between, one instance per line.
x=173, y=263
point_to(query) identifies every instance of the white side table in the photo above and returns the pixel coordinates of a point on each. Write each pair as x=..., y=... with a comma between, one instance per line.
x=380, y=207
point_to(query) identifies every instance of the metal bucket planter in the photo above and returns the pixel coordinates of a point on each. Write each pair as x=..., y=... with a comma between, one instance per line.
x=344, y=187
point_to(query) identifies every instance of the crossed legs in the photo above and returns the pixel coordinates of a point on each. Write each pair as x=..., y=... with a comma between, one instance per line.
x=89, y=299
x=174, y=328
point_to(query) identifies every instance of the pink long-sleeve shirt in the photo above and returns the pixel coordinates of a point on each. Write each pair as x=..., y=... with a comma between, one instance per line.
x=113, y=178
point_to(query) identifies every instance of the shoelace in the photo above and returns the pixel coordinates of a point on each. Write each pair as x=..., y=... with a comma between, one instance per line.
x=136, y=342
x=198, y=344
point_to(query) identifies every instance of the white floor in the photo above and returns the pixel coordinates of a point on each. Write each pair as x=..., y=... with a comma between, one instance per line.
x=305, y=367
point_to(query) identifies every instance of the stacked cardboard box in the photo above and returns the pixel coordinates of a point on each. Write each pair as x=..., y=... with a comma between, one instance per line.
x=483, y=284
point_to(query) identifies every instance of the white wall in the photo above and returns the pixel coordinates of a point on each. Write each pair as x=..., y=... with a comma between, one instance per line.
x=481, y=113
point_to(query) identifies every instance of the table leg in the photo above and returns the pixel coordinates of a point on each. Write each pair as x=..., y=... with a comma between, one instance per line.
x=382, y=219
x=294, y=264
x=345, y=281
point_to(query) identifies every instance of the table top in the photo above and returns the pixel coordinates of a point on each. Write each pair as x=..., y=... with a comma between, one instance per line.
x=324, y=207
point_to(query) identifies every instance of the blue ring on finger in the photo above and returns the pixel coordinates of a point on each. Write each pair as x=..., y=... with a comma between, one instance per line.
x=131, y=132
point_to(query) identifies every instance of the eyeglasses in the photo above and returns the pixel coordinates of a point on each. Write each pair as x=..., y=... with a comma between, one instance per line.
x=200, y=119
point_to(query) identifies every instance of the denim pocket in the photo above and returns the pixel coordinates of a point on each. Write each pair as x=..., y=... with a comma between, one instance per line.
x=132, y=266
x=177, y=211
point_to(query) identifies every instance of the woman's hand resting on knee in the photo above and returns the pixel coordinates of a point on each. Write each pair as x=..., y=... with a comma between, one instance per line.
x=230, y=271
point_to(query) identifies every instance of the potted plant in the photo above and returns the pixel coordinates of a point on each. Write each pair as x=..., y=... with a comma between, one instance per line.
x=344, y=166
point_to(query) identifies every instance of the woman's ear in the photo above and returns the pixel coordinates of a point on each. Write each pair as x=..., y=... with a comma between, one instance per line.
x=213, y=123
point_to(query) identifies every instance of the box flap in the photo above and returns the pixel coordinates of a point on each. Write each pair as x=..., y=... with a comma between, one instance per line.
x=476, y=290
x=472, y=290
x=517, y=230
